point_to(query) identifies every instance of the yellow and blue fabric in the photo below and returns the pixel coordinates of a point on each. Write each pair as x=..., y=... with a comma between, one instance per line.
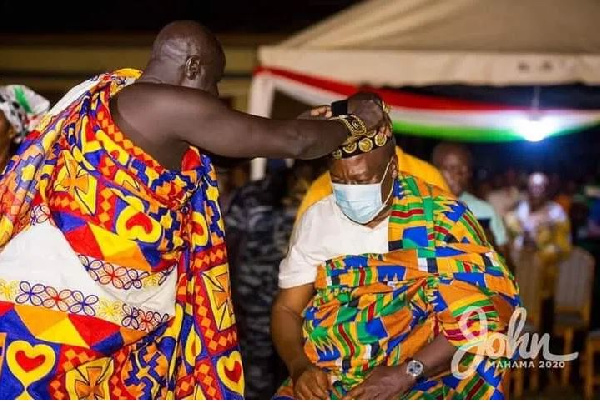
x=131, y=223
x=380, y=309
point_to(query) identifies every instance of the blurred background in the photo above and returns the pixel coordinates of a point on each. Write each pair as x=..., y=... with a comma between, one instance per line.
x=516, y=82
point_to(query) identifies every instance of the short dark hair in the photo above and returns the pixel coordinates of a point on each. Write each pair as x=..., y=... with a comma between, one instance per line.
x=447, y=147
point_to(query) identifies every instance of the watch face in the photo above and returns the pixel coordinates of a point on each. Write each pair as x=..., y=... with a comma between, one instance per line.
x=414, y=368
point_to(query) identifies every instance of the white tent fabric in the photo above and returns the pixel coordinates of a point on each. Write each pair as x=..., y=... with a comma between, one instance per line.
x=421, y=42
x=429, y=42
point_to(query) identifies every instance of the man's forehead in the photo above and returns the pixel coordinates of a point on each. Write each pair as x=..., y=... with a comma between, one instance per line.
x=453, y=157
x=371, y=162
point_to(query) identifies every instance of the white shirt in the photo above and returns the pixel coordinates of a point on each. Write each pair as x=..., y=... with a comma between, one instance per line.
x=323, y=233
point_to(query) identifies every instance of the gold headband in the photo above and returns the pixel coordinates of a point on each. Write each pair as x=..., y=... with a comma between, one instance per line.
x=361, y=141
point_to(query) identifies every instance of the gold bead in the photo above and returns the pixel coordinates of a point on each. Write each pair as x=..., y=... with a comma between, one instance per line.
x=350, y=148
x=380, y=139
x=365, y=145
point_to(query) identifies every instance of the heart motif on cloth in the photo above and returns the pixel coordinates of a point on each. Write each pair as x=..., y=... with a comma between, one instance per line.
x=231, y=372
x=137, y=226
x=29, y=363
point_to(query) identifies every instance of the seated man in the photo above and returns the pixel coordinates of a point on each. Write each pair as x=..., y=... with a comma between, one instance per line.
x=379, y=287
x=454, y=161
x=541, y=234
x=540, y=224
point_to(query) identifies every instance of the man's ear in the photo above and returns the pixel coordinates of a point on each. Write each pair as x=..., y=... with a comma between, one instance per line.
x=192, y=67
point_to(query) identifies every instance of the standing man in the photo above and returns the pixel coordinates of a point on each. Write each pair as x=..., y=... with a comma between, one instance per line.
x=455, y=163
x=114, y=281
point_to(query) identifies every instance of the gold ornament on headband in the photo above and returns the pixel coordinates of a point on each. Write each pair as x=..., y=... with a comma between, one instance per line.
x=360, y=140
x=386, y=108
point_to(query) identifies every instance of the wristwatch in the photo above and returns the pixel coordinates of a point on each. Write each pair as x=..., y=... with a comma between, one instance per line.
x=415, y=368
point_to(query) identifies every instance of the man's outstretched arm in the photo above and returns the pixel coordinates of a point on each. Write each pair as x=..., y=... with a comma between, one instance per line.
x=204, y=121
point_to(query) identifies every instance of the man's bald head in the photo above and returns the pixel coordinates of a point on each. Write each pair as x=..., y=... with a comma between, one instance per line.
x=186, y=53
x=454, y=162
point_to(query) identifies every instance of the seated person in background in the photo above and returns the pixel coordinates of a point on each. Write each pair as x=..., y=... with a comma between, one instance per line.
x=376, y=280
x=540, y=224
x=454, y=161
x=540, y=233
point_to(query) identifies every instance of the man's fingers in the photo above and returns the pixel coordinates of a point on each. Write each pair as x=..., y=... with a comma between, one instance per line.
x=323, y=380
x=320, y=110
x=322, y=385
x=355, y=392
x=304, y=392
x=313, y=390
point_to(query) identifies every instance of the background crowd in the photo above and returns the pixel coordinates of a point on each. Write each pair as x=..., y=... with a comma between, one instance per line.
x=541, y=215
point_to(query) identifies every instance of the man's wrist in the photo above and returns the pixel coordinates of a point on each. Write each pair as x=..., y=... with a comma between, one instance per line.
x=414, y=369
x=404, y=378
x=297, y=366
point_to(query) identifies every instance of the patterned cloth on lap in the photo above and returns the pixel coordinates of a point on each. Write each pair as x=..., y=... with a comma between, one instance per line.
x=380, y=309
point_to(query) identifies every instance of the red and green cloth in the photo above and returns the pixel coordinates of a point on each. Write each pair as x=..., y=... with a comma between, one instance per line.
x=435, y=116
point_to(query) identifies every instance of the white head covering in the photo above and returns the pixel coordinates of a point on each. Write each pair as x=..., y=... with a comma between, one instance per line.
x=22, y=107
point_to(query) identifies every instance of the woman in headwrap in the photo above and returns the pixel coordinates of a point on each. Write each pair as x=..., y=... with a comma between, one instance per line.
x=20, y=109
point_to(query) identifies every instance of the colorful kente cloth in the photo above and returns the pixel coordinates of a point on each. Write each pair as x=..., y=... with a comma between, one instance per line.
x=114, y=281
x=380, y=309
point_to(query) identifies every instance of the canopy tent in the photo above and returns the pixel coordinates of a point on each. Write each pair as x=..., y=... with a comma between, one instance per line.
x=395, y=47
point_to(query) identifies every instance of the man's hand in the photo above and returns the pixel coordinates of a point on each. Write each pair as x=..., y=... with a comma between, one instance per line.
x=317, y=113
x=311, y=383
x=368, y=107
x=383, y=383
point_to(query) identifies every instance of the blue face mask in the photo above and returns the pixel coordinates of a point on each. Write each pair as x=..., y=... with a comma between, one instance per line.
x=360, y=202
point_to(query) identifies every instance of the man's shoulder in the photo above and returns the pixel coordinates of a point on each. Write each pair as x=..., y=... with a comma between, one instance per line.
x=324, y=208
x=321, y=214
x=418, y=187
